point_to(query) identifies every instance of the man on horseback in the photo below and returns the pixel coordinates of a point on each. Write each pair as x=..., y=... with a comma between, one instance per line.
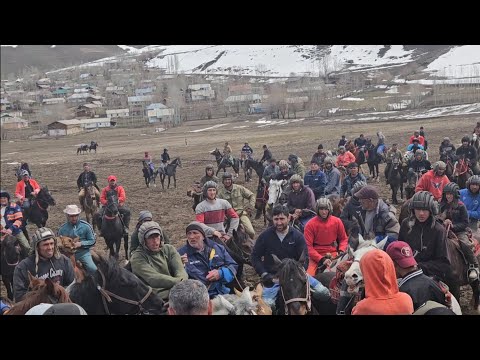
x=271, y=171
x=165, y=156
x=418, y=165
x=12, y=221
x=434, y=180
x=247, y=150
x=119, y=191
x=297, y=165
x=212, y=211
x=26, y=191
x=319, y=156
x=45, y=262
x=342, y=141
x=344, y=157
x=237, y=195
x=360, y=141
x=351, y=179
x=471, y=198
x=83, y=181
x=76, y=228
x=468, y=152
x=285, y=172
x=332, y=177
x=325, y=237
x=267, y=154
x=353, y=205
x=447, y=150
x=227, y=153
x=392, y=153
x=426, y=236
x=416, y=135
x=454, y=215
x=415, y=145
x=158, y=264
x=282, y=241
x=301, y=197
x=315, y=179
x=209, y=175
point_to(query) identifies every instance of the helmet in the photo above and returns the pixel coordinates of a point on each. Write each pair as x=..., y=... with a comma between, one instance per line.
x=4, y=193
x=296, y=178
x=465, y=139
x=226, y=175
x=42, y=234
x=293, y=158
x=342, y=148
x=420, y=152
x=423, y=200
x=439, y=165
x=358, y=185
x=323, y=203
x=283, y=164
x=209, y=185
x=475, y=179
x=148, y=228
x=453, y=188
x=145, y=214
x=24, y=172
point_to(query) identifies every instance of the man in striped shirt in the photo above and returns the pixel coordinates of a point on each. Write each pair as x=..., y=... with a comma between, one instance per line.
x=212, y=211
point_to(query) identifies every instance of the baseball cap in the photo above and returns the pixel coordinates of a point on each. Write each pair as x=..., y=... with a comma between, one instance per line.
x=112, y=177
x=402, y=254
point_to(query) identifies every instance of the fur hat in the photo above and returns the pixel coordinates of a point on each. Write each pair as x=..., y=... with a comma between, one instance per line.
x=296, y=178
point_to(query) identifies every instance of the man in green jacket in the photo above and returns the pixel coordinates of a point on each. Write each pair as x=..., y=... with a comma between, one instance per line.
x=157, y=264
x=236, y=195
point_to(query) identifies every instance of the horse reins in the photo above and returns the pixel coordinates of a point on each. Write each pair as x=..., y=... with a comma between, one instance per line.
x=107, y=296
x=307, y=298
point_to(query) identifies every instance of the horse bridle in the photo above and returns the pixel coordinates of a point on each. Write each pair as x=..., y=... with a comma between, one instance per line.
x=243, y=254
x=307, y=299
x=107, y=296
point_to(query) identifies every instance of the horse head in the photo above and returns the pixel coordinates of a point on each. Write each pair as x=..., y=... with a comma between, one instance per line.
x=294, y=286
x=11, y=250
x=275, y=189
x=177, y=162
x=241, y=244
x=112, y=203
x=66, y=245
x=353, y=276
x=45, y=196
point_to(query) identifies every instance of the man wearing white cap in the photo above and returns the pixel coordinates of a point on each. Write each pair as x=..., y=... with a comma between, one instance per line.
x=76, y=228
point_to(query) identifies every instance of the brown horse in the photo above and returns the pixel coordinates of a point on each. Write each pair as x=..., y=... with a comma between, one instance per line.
x=42, y=291
x=462, y=173
x=338, y=204
x=90, y=203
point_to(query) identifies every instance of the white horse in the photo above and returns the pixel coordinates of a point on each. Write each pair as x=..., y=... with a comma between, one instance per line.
x=241, y=304
x=275, y=190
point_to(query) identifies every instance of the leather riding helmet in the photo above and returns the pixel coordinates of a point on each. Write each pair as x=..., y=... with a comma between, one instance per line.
x=144, y=215
x=453, y=188
x=148, y=228
x=323, y=203
x=42, y=234
x=423, y=200
x=209, y=185
x=227, y=175
x=439, y=165
x=465, y=139
x=475, y=179
x=358, y=185
x=4, y=193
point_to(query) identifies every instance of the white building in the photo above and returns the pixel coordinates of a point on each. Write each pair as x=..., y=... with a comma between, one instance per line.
x=118, y=113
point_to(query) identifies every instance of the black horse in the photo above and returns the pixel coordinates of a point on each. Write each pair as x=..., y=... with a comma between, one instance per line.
x=93, y=146
x=38, y=213
x=10, y=256
x=373, y=160
x=223, y=162
x=261, y=201
x=149, y=174
x=111, y=226
x=395, y=179
x=255, y=165
x=82, y=149
x=170, y=170
x=113, y=290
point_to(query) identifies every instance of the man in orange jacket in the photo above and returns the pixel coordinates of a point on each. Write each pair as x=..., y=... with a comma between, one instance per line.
x=26, y=190
x=119, y=191
x=434, y=180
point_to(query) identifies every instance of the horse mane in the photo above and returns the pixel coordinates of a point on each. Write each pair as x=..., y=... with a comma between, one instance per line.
x=286, y=267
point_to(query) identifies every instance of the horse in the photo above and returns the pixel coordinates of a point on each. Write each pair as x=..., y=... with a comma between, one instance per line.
x=462, y=173
x=111, y=226
x=338, y=203
x=224, y=163
x=360, y=154
x=42, y=291
x=475, y=142
x=255, y=165
x=93, y=146
x=241, y=303
x=450, y=168
x=83, y=148
x=90, y=204
x=277, y=194
x=261, y=201
x=170, y=170
x=38, y=212
x=10, y=256
x=149, y=174
x=373, y=159
x=459, y=269
x=247, y=171
x=113, y=290
x=395, y=179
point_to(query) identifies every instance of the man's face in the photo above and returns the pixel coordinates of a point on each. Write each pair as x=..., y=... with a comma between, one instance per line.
x=394, y=147
x=296, y=186
x=211, y=193
x=416, y=133
x=422, y=215
x=112, y=183
x=361, y=136
x=154, y=242
x=210, y=172
x=474, y=188
x=323, y=213
x=284, y=170
x=449, y=197
x=328, y=166
x=440, y=172
x=195, y=239
x=46, y=248
x=341, y=151
x=314, y=167
x=465, y=143
x=272, y=164
x=86, y=168
x=227, y=183
x=368, y=204
x=281, y=222
x=4, y=201
x=418, y=157
x=353, y=171
x=25, y=178
x=73, y=219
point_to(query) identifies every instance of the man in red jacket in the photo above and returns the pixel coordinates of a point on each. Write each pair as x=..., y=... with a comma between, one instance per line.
x=119, y=191
x=325, y=237
x=416, y=135
x=26, y=190
x=434, y=180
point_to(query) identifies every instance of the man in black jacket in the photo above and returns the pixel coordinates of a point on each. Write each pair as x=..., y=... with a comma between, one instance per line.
x=267, y=154
x=467, y=151
x=86, y=177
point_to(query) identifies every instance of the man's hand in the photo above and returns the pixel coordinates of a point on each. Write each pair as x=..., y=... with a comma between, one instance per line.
x=447, y=222
x=249, y=212
x=213, y=275
x=226, y=237
x=77, y=244
x=184, y=258
x=217, y=233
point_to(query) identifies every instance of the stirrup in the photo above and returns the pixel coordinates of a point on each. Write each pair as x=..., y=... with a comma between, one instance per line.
x=473, y=273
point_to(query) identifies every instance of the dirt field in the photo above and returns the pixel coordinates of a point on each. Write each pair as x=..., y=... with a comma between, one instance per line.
x=55, y=163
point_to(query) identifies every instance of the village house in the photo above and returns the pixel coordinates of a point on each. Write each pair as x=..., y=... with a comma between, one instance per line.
x=64, y=127
x=118, y=113
x=159, y=112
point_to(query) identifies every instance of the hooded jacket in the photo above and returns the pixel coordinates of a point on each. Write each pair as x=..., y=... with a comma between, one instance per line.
x=457, y=212
x=344, y=159
x=432, y=183
x=382, y=296
x=472, y=203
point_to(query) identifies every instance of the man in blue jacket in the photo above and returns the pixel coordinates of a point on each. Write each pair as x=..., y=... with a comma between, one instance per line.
x=12, y=221
x=315, y=179
x=76, y=228
x=470, y=196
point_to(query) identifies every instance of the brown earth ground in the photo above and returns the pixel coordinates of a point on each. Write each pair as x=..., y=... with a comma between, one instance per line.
x=54, y=161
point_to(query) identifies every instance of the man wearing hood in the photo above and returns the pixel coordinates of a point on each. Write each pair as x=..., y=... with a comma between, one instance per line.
x=297, y=165
x=382, y=296
x=353, y=205
x=158, y=265
x=45, y=262
x=447, y=150
x=209, y=175
x=301, y=197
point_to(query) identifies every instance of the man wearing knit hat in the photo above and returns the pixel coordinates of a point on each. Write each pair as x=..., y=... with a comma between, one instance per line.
x=351, y=179
x=159, y=265
x=119, y=192
x=377, y=220
x=45, y=262
x=207, y=261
